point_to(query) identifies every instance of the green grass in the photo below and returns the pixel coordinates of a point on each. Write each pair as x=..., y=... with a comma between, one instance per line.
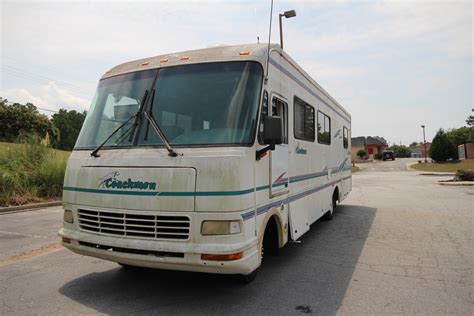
x=445, y=166
x=30, y=172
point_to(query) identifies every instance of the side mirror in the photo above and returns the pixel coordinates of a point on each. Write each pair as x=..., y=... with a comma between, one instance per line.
x=272, y=130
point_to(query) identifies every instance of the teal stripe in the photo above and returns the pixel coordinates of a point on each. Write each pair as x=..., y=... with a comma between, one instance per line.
x=122, y=192
x=154, y=193
x=202, y=193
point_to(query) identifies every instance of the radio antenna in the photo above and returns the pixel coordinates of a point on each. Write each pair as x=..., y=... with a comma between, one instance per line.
x=269, y=37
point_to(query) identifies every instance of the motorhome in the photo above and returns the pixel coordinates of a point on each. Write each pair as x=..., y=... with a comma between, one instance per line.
x=205, y=160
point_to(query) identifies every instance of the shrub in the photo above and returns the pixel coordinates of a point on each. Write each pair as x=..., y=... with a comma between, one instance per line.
x=51, y=176
x=441, y=148
x=464, y=175
x=30, y=171
x=361, y=153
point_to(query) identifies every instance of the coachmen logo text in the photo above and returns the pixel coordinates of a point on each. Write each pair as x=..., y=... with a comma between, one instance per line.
x=111, y=181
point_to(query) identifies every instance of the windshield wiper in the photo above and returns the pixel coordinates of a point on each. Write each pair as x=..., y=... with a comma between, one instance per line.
x=151, y=121
x=94, y=153
x=137, y=115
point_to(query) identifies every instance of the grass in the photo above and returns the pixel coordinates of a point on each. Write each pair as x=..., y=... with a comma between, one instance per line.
x=30, y=172
x=445, y=166
x=355, y=169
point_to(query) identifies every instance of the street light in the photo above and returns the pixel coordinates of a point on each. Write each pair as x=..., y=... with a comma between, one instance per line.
x=424, y=141
x=286, y=14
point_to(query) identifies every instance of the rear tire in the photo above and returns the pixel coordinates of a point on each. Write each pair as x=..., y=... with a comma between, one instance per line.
x=329, y=214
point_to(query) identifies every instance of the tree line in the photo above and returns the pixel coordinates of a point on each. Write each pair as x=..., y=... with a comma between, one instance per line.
x=444, y=144
x=18, y=121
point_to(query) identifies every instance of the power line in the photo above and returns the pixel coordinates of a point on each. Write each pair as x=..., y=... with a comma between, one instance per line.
x=39, y=78
x=47, y=110
x=44, y=77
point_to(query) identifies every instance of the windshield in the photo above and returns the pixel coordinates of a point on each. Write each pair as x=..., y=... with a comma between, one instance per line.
x=201, y=104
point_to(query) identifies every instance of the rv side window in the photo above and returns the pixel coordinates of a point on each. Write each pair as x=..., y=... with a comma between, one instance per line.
x=303, y=120
x=345, y=137
x=279, y=109
x=324, y=128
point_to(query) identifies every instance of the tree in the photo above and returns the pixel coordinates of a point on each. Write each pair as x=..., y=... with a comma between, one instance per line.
x=470, y=120
x=461, y=135
x=69, y=124
x=414, y=144
x=18, y=119
x=442, y=148
x=361, y=153
x=401, y=151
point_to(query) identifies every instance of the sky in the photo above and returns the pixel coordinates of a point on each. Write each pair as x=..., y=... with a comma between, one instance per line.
x=394, y=65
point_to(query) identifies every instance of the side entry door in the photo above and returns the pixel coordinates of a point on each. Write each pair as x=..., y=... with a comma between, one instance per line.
x=279, y=158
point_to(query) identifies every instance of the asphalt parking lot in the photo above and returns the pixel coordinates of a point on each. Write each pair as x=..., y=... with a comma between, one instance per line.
x=399, y=244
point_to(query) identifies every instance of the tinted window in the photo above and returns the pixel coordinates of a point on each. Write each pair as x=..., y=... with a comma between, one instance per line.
x=345, y=137
x=303, y=120
x=324, y=128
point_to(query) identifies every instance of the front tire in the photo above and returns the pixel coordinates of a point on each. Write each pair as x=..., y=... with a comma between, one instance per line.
x=248, y=278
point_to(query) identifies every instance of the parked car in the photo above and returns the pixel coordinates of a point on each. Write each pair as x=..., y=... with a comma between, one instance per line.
x=388, y=154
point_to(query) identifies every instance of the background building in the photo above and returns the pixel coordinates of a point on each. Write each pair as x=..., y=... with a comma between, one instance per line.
x=372, y=145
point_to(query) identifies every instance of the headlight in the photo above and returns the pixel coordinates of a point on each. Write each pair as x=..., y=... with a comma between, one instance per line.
x=220, y=227
x=67, y=217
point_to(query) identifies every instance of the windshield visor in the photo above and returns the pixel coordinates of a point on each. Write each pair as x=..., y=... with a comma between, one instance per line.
x=194, y=105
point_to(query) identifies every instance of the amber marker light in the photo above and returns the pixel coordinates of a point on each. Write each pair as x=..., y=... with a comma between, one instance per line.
x=184, y=58
x=145, y=63
x=244, y=52
x=229, y=257
x=108, y=71
x=164, y=60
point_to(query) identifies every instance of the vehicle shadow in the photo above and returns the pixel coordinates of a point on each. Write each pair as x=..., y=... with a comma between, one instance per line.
x=311, y=276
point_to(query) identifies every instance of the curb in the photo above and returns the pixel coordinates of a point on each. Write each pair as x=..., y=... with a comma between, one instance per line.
x=439, y=174
x=457, y=183
x=28, y=207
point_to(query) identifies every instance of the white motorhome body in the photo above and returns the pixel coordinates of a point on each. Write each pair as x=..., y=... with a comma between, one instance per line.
x=209, y=204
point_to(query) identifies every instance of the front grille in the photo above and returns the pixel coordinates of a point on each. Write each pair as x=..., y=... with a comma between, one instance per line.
x=135, y=225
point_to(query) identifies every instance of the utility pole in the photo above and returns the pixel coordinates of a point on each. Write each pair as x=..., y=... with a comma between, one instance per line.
x=424, y=141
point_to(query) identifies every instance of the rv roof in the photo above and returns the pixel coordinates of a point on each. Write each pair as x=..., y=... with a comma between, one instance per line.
x=257, y=52
x=211, y=54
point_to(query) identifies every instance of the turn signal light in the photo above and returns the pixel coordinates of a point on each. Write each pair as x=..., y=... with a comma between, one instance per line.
x=229, y=257
x=244, y=52
x=66, y=240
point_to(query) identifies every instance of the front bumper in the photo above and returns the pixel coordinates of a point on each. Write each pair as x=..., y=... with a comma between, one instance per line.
x=184, y=256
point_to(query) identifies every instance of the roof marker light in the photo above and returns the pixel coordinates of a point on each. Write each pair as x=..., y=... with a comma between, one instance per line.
x=244, y=52
x=108, y=71
x=184, y=58
x=163, y=60
x=145, y=63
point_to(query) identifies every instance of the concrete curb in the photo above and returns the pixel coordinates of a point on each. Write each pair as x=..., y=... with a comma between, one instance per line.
x=28, y=207
x=457, y=183
x=438, y=174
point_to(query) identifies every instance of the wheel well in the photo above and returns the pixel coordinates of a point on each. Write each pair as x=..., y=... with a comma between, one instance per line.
x=271, y=236
x=336, y=194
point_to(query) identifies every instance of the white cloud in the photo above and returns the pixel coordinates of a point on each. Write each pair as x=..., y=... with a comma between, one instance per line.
x=447, y=25
x=48, y=97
